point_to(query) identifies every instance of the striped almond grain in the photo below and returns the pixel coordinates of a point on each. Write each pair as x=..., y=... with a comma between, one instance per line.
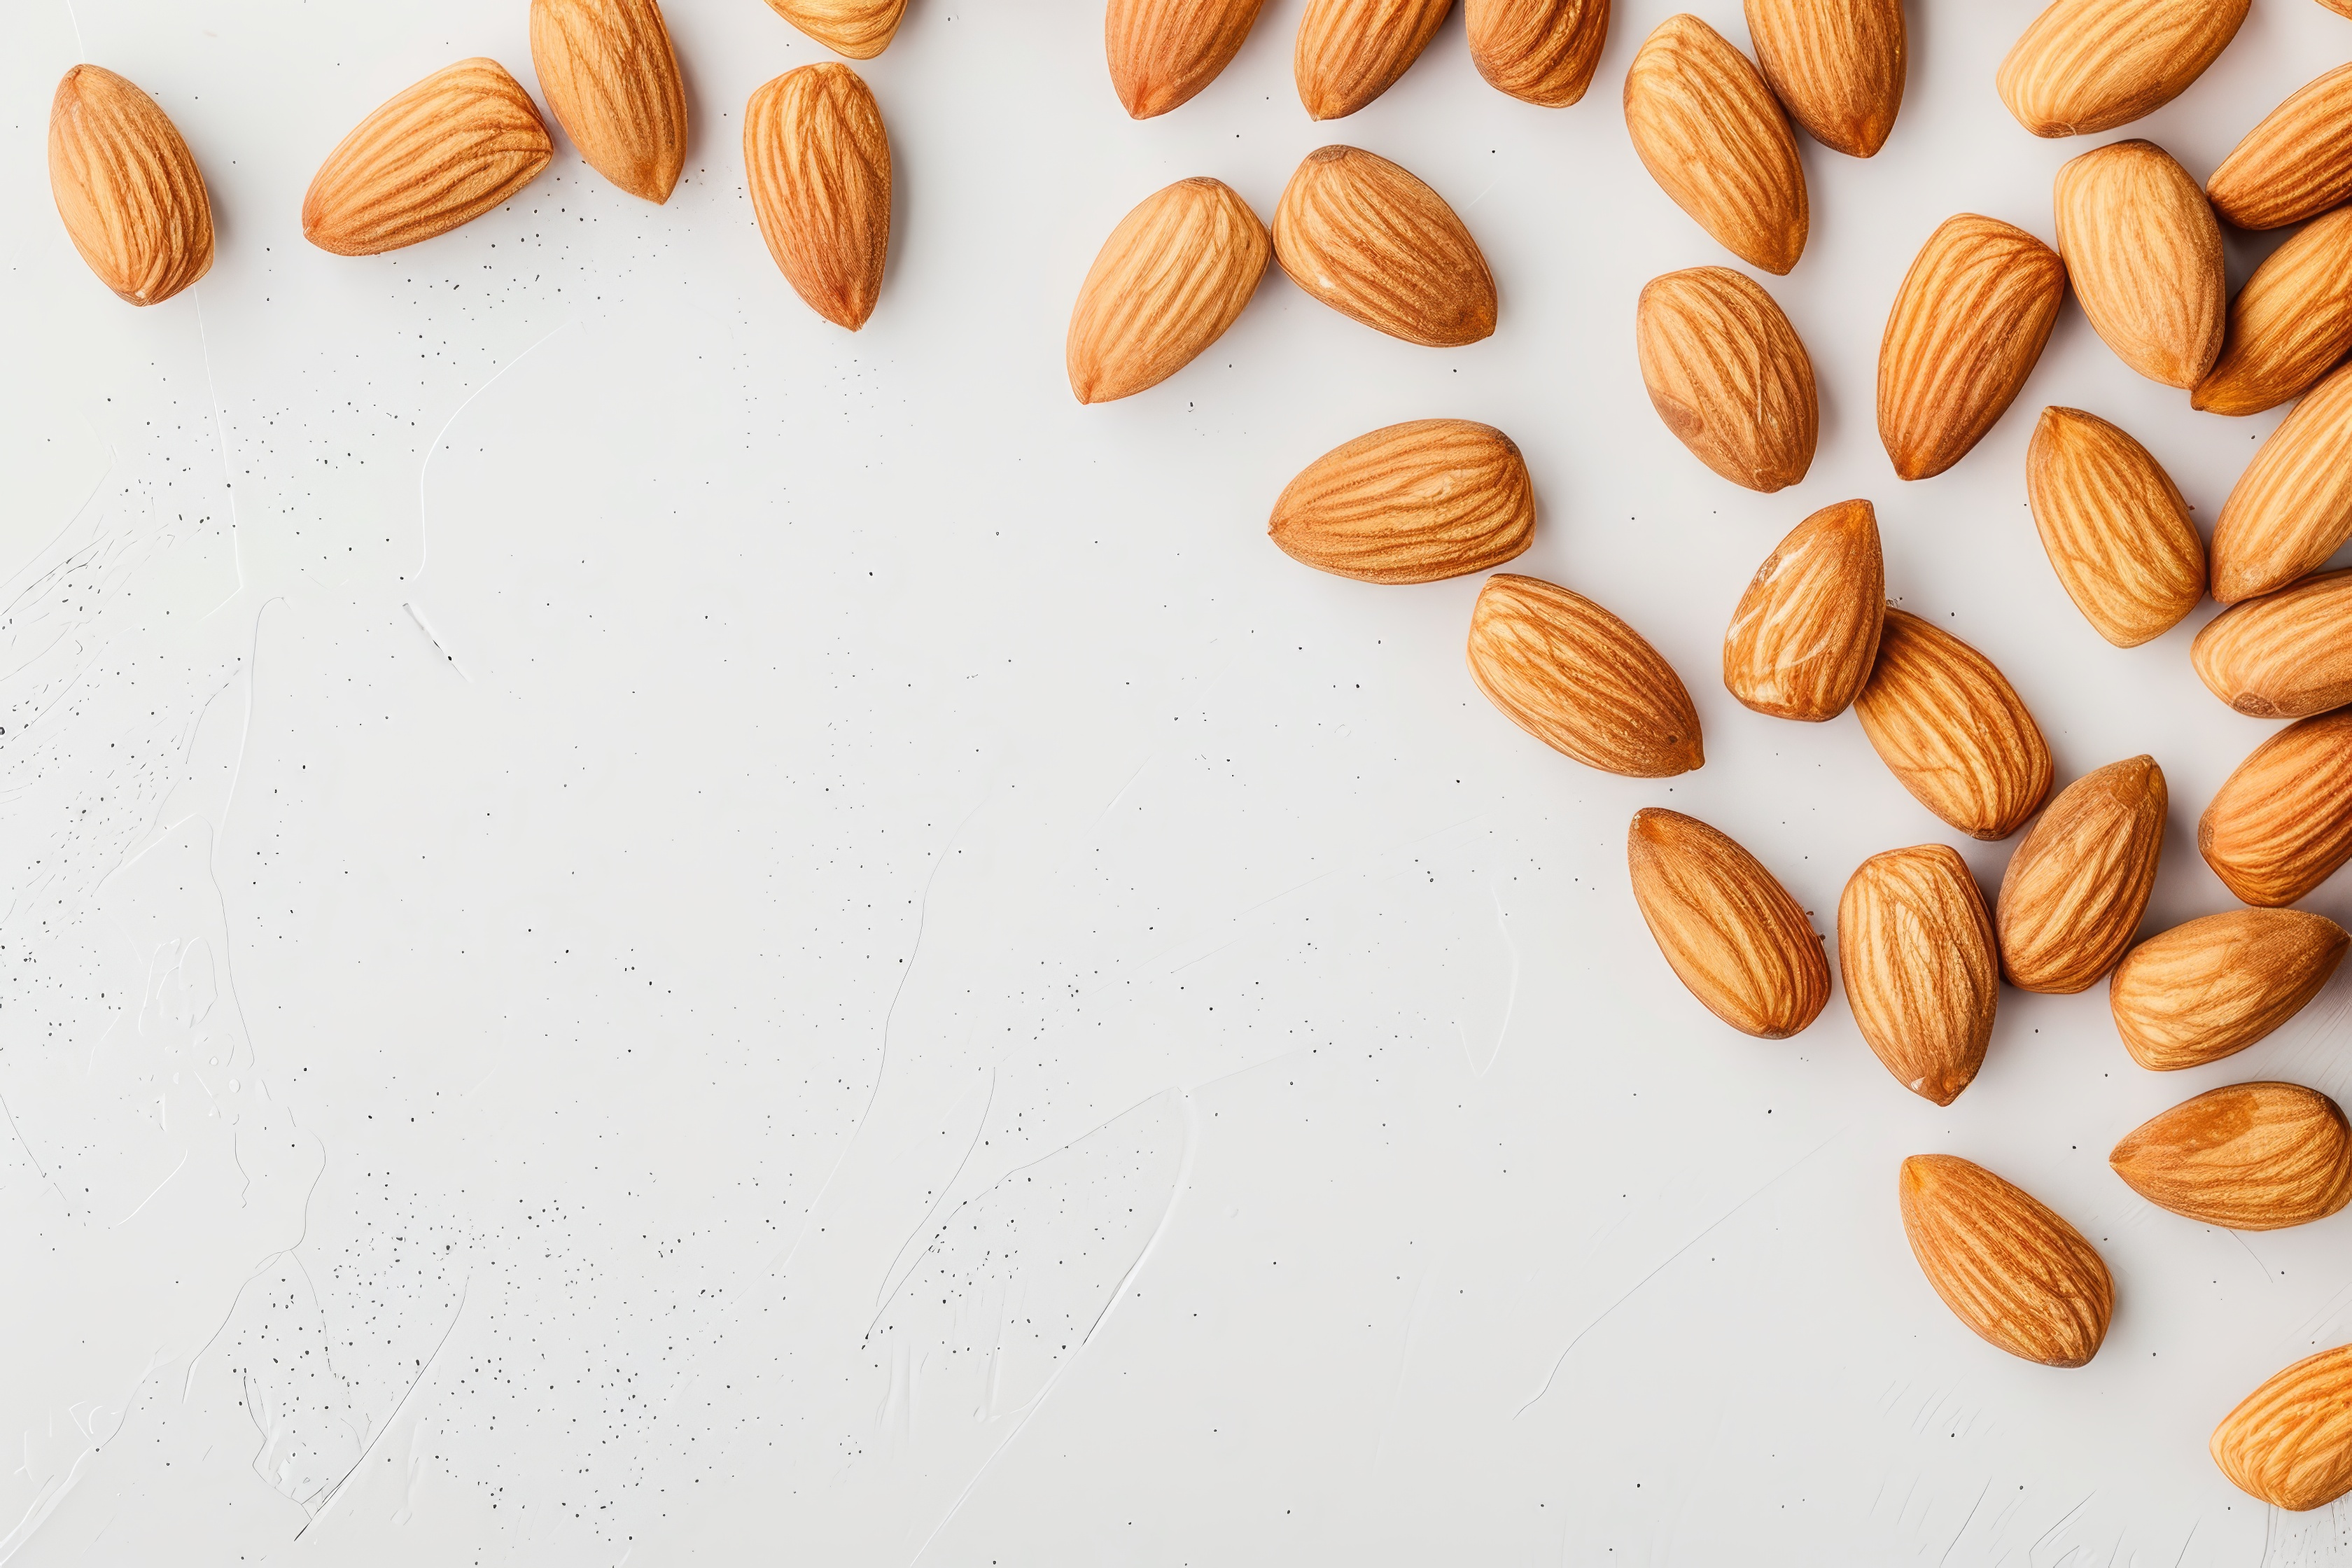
x=611, y=78
x=1539, y=52
x=818, y=163
x=2289, y=325
x=1350, y=51
x=1581, y=681
x=438, y=154
x=1371, y=241
x=2341, y=7
x=2093, y=65
x=1716, y=139
x=2073, y=897
x=858, y=29
x=2293, y=506
x=1726, y=373
x=1805, y=634
x=2115, y=526
x=1411, y=503
x=1915, y=942
x=2287, y=655
x=1967, y=327
x=1951, y=729
x=2253, y=1156
x=127, y=187
x=1731, y=932
x=2289, y=1442
x=1839, y=64
x=1170, y=279
x=2296, y=163
x=2281, y=824
x=2215, y=986
x=2144, y=256
x=2011, y=1270
x=1162, y=52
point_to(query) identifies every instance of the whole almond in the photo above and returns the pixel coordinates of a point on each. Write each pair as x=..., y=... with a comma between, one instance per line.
x=1539, y=52
x=2293, y=506
x=1728, y=375
x=818, y=163
x=2115, y=526
x=441, y=153
x=1967, y=327
x=2296, y=163
x=1916, y=942
x=2144, y=255
x=858, y=28
x=2288, y=325
x=2071, y=898
x=1714, y=137
x=610, y=76
x=1581, y=681
x=1952, y=730
x=2210, y=988
x=1732, y=934
x=2287, y=655
x=2290, y=1441
x=1372, y=242
x=2093, y=65
x=2253, y=1156
x=1805, y=634
x=1169, y=281
x=2011, y=1270
x=1839, y=66
x=1410, y=503
x=1162, y=52
x=2281, y=824
x=1350, y=51
x=127, y=187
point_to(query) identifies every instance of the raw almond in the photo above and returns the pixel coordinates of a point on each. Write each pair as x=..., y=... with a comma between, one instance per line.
x=1352, y=51
x=1714, y=137
x=1170, y=281
x=2071, y=898
x=1162, y=52
x=1732, y=934
x=441, y=153
x=818, y=163
x=1727, y=374
x=2115, y=526
x=2093, y=65
x=2290, y=1441
x=1952, y=730
x=1581, y=681
x=2144, y=255
x=1539, y=52
x=1916, y=942
x=2011, y=1270
x=858, y=28
x=2341, y=7
x=1837, y=64
x=127, y=187
x=1967, y=327
x=2290, y=321
x=2287, y=655
x=2293, y=506
x=1805, y=633
x=2296, y=163
x=610, y=76
x=2281, y=824
x=1410, y=503
x=1371, y=241
x=2210, y=988
x=2253, y=1156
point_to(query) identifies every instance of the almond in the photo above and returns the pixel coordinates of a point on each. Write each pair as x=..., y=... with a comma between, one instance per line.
x=2287, y=655
x=2210, y=988
x=441, y=153
x=1581, y=681
x=858, y=28
x=1410, y=503
x=610, y=76
x=2144, y=255
x=818, y=163
x=1733, y=934
x=1714, y=139
x=126, y=188
x=2253, y=1156
x=2071, y=898
x=2115, y=526
x=2290, y=1441
x=1162, y=52
x=1967, y=327
x=1916, y=942
x=2296, y=163
x=1837, y=64
x=1727, y=373
x=2290, y=321
x=1539, y=52
x=1170, y=281
x=1805, y=634
x=2011, y=1270
x=1952, y=730
x=2093, y=65
x=2281, y=824
x=1372, y=242
x=2293, y=506
x=1352, y=51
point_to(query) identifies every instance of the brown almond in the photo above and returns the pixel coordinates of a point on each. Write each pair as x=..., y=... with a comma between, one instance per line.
x=1839, y=66
x=2341, y=7
x=2293, y=506
x=1539, y=51
x=1805, y=634
x=1914, y=941
x=2281, y=824
x=858, y=28
x=1732, y=934
x=2288, y=325
x=1371, y=241
x=1411, y=503
x=1951, y=729
x=2093, y=65
x=1350, y=51
x=610, y=76
x=2011, y=1270
x=1727, y=374
x=2215, y=986
x=1967, y=327
x=1581, y=681
x=1170, y=279
x=2290, y=1441
x=2287, y=655
x=1162, y=52
x=2115, y=526
x=2144, y=256
x=438, y=154
x=818, y=163
x=2253, y=1156
x=2296, y=163
x=127, y=187
x=2071, y=898
x=1714, y=137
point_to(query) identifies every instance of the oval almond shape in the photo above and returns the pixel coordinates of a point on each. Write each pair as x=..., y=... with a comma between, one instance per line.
x=1581, y=681
x=858, y=28
x=127, y=187
x=2290, y=1441
x=2253, y=1156
x=1350, y=51
x=1539, y=52
x=2296, y=163
x=2011, y=1270
x=818, y=163
x=1371, y=241
x=2215, y=986
x=2093, y=65
x=610, y=76
x=2287, y=655
x=434, y=156
x=1839, y=64
x=1714, y=137
x=1952, y=730
x=2281, y=824
x=2289, y=325
x=2144, y=256
x=1162, y=52
x=1916, y=942
x=1170, y=279
x=1732, y=934
x=1410, y=503
x=2293, y=506
x=2071, y=898
x=1966, y=330
x=1805, y=634
x=2115, y=526
x=1726, y=373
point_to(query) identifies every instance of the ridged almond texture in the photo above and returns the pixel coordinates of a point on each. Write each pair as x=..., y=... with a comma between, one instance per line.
x=1967, y=327
x=2287, y=655
x=1539, y=51
x=1371, y=241
x=818, y=163
x=1915, y=942
x=1162, y=52
x=858, y=28
x=1169, y=281
x=1728, y=375
x=2288, y=325
x=2296, y=163
x=2011, y=1270
x=2253, y=1156
x=1350, y=51
x=1951, y=729
x=1410, y=503
x=1581, y=681
x=2115, y=526
x=2093, y=65
x=1839, y=64
x=2071, y=898
x=2281, y=824
x=2144, y=256
x=127, y=187
x=1716, y=139
x=2210, y=988
x=441, y=153
x=1733, y=934
x=610, y=76
x=2293, y=506
x=1805, y=634
x=2290, y=1441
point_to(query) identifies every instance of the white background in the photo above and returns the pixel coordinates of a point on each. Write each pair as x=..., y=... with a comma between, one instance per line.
x=641, y=931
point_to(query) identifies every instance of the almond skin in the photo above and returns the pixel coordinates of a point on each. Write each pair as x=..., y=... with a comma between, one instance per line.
x=1967, y=327
x=2281, y=824
x=1352, y=51
x=1727, y=374
x=2011, y=1270
x=1916, y=942
x=1716, y=139
x=1170, y=279
x=610, y=76
x=818, y=163
x=1411, y=503
x=1733, y=934
x=2296, y=163
x=1372, y=242
x=2253, y=1156
x=2144, y=256
x=858, y=29
x=1805, y=634
x=2115, y=526
x=2290, y=1441
x=441, y=153
x=127, y=187
x=1839, y=66
x=2288, y=325
x=2071, y=898
x=1162, y=52
x=2092, y=65
x=1952, y=730
x=1539, y=51
x=1581, y=681
x=2293, y=506
x=2287, y=655
x=2210, y=988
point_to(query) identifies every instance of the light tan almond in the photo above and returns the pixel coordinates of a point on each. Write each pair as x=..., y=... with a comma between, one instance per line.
x=1539, y=52
x=1805, y=634
x=2290, y=1441
x=1839, y=66
x=2115, y=526
x=1372, y=242
x=2073, y=897
x=2288, y=325
x=1714, y=137
x=2253, y=1156
x=1162, y=52
x=2093, y=65
x=2144, y=256
x=1350, y=51
x=2287, y=655
x=1170, y=281
x=1581, y=681
x=2210, y=988
x=610, y=76
x=441, y=153
x=1410, y=503
x=1951, y=729
x=1916, y=942
x=1728, y=375
x=818, y=163
x=2281, y=824
x=1967, y=327
x=2293, y=506
x=2011, y=1270
x=127, y=187
x=1732, y=934
x=2296, y=163
x=2341, y=7
x=858, y=28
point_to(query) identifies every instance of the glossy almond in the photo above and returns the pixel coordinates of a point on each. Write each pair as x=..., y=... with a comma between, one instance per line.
x=1915, y=945
x=2289, y=325
x=2293, y=506
x=858, y=28
x=2281, y=824
x=611, y=78
x=1350, y=51
x=2253, y=1156
x=1727, y=374
x=1162, y=52
x=1952, y=730
x=1839, y=66
x=1372, y=242
x=2215, y=986
x=2295, y=165
x=2115, y=526
x=439, y=154
x=1968, y=325
x=127, y=187
x=1170, y=279
x=2011, y=1270
x=1805, y=634
x=2287, y=655
x=1732, y=934
x=2289, y=1442
x=1581, y=681
x=1714, y=137
x=2093, y=65
x=818, y=163
x=1539, y=52
x=2144, y=256
x=1410, y=503
x=2073, y=897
